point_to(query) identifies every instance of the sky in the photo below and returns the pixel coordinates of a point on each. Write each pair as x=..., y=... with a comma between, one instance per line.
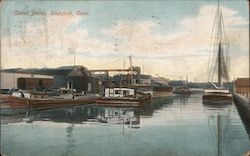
x=165, y=38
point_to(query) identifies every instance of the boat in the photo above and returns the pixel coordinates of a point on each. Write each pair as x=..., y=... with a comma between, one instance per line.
x=22, y=99
x=142, y=83
x=156, y=86
x=218, y=94
x=161, y=87
x=123, y=97
x=182, y=90
x=181, y=87
x=162, y=91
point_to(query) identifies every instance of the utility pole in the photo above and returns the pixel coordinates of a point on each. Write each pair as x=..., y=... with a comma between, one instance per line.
x=131, y=69
x=74, y=60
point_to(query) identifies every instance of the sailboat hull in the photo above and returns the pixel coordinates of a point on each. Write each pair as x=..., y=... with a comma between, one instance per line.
x=217, y=99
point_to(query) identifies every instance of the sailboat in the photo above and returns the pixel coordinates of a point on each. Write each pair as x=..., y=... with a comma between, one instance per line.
x=218, y=94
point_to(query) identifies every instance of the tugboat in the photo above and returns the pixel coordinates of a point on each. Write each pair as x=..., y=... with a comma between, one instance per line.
x=218, y=94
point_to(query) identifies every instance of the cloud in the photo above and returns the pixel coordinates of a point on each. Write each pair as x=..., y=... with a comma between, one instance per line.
x=53, y=41
x=49, y=37
x=189, y=46
x=206, y=16
x=200, y=28
x=141, y=37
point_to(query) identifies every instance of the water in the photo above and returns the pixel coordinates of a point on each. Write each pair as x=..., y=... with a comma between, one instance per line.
x=176, y=126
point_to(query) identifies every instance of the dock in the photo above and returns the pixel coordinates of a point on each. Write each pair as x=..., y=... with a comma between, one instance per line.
x=243, y=105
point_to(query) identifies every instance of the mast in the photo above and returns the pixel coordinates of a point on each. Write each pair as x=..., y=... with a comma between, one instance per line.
x=219, y=65
x=219, y=47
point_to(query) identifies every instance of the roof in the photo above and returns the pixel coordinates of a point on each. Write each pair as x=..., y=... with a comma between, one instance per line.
x=142, y=76
x=63, y=70
x=242, y=82
x=79, y=71
x=160, y=80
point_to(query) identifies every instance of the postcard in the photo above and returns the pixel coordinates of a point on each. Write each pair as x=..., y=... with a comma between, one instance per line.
x=124, y=77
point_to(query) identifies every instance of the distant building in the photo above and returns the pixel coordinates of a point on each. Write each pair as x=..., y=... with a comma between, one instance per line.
x=242, y=86
x=76, y=78
x=24, y=81
x=70, y=77
x=33, y=83
x=73, y=77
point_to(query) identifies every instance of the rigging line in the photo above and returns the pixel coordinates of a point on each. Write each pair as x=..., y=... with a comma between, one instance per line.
x=212, y=49
x=226, y=40
x=209, y=57
x=214, y=69
x=219, y=26
x=224, y=32
x=226, y=44
x=216, y=23
x=215, y=19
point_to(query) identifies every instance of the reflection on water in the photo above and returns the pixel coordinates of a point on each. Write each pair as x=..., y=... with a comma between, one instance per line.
x=70, y=140
x=179, y=125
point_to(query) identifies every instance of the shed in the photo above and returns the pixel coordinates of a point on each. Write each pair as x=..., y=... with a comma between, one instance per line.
x=242, y=85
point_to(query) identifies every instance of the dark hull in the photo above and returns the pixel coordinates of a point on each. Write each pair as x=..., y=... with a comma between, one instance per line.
x=182, y=92
x=124, y=101
x=162, y=91
x=24, y=103
x=217, y=99
x=163, y=88
x=157, y=94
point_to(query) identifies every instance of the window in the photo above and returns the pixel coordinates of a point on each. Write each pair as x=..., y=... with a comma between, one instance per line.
x=137, y=81
x=117, y=91
x=40, y=83
x=125, y=93
x=124, y=112
x=70, y=85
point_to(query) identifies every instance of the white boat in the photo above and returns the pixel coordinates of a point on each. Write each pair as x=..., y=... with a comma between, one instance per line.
x=217, y=96
x=220, y=47
x=123, y=97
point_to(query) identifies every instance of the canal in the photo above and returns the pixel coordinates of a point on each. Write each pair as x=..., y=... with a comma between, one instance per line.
x=174, y=126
